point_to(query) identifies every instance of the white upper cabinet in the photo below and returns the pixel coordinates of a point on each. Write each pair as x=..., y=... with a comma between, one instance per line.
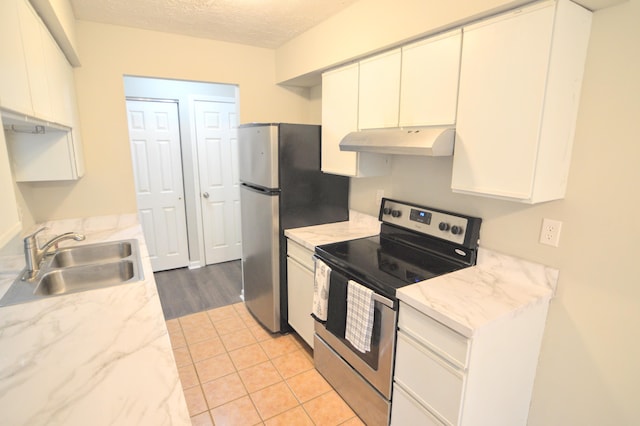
x=429, y=81
x=35, y=77
x=416, y=85
x=37, y=87
x=379, y=91
x=49, y=156
x=60, y=82
x=14, y=81
x=340, y=117
x=520, y=81
x=37, y=69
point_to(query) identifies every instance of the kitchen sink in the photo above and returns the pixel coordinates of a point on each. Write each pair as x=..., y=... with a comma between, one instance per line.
x=92, y=253
x=72, y=280
x=79, y=268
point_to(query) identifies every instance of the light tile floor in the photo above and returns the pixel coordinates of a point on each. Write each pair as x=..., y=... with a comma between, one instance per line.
x=233, y=372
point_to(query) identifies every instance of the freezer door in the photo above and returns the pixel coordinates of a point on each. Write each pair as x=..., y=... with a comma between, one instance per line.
x=260, y=255
x=258, y=155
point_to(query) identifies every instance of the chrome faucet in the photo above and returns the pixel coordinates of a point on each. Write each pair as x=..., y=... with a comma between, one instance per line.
x=33, y=254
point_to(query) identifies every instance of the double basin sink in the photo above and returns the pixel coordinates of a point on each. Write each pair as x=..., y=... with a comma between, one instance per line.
x=79, y=268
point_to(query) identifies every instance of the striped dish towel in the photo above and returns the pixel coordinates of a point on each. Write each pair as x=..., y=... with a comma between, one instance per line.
x=321, y=290
x=360, y=310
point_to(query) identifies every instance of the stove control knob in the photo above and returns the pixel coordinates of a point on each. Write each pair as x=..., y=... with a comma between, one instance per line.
x=386, y=210
x=443, y=226
x=396, y=213
x=456, y=230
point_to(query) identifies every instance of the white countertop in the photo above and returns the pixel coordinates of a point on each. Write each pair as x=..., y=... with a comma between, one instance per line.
x=359, y=225
x=497, y=287
x=100, y=357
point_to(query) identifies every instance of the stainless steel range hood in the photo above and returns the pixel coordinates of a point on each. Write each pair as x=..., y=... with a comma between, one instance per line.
x=432, y=141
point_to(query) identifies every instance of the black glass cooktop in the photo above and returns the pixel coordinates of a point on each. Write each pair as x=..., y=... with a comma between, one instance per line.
x=383, y=264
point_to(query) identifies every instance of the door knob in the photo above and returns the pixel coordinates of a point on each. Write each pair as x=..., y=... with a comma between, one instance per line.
x=205, y=194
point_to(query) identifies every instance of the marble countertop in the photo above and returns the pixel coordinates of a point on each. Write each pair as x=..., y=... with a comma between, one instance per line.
x=360, y=225
x=100, y=357
x=497, y=287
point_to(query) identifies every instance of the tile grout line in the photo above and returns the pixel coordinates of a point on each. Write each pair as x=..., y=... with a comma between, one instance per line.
x=249, y=322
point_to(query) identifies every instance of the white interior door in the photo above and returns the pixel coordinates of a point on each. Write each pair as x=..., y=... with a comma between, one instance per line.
x=216, y=134
x=154, y=134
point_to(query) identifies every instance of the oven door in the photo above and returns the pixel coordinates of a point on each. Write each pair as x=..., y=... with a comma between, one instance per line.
x=375, y=366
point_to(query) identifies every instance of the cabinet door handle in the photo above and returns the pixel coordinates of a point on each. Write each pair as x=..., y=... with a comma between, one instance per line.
x=205, y=194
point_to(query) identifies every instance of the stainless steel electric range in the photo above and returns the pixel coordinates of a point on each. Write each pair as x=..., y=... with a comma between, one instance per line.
x=416, y=243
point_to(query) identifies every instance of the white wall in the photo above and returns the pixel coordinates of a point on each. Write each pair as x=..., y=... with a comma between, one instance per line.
x=588, y=372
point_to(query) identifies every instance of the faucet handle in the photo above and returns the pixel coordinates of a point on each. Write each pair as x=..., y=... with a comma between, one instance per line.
x=30, y=239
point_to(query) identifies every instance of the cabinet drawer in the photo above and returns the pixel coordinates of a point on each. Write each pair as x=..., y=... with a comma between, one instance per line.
x=405, y=410
x=437, y=337
x=302, y=255
x=435, y=383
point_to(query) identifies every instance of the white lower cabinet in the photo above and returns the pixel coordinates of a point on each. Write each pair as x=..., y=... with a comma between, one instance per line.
x=443, y=399
x=444, y=378
x=430, y=366
x=406, y=410
x=300, y=278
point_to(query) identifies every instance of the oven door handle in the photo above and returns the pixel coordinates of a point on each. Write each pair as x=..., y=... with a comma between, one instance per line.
x=383, y=300
x=376, y=296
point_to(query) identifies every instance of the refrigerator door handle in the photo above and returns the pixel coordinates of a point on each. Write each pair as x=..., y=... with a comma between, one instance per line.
x=266, y=191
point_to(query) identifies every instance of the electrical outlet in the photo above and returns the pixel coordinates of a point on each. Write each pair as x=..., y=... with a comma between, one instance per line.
x=379, y=195
x=550, y=233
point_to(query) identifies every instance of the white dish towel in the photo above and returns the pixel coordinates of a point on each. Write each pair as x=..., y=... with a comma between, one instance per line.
x=321, y=290
x=360, y=311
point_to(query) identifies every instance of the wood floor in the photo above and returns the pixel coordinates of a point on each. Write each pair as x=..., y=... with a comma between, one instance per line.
x=186, y=291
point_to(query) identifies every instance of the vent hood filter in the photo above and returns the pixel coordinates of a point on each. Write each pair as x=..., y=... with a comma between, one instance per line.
x=431, y=141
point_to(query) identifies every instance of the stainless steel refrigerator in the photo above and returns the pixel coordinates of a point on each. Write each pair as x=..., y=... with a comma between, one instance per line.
x=282, y=187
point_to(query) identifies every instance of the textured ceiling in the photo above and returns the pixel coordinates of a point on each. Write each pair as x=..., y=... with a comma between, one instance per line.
x=262, y=23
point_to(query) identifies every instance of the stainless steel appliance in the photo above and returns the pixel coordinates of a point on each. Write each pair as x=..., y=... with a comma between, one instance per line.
x=415, y=243
x=281, y=187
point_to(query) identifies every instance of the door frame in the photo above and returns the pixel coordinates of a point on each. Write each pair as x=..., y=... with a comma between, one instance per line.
x=201, y=262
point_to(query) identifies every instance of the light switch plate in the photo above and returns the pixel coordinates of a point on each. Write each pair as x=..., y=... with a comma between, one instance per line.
x=550, y=233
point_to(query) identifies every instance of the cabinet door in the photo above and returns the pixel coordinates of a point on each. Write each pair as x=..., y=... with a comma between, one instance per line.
x=300, y=299
x=10, y=225
x=32, y=38
x=429, y=82
x=14, y=83
x=339, y=117
x=502, y=87
x=59, y=81
x=379, y=93
x=44, y=157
